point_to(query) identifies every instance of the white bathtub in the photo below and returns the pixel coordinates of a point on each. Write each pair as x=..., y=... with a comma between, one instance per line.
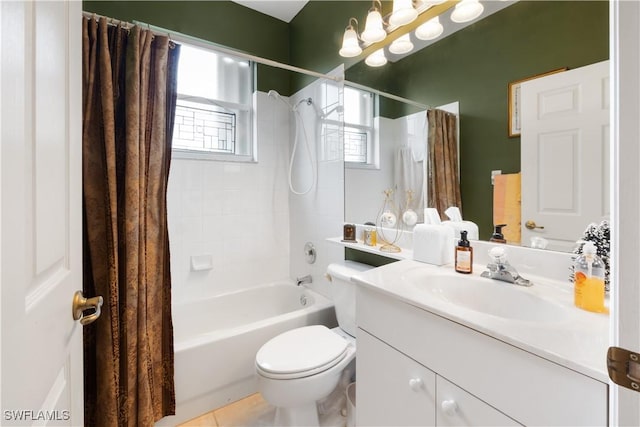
x=216, y=340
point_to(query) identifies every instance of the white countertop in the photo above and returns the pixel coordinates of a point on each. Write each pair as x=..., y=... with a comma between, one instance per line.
x=578, y=341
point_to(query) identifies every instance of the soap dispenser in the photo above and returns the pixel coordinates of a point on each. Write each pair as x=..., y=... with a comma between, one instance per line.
x=589, y=280
x=497, y=235
x=464, y=255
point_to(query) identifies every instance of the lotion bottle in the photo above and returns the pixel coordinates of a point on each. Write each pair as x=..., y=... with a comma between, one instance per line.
x=589, y=280
x=464, y=255
x=497, y=236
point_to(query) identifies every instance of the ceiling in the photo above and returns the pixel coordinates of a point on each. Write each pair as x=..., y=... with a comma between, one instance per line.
x=284, y=10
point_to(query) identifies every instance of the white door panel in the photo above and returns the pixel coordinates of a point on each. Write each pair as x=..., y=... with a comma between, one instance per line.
x=41, y=212
x=565, y=143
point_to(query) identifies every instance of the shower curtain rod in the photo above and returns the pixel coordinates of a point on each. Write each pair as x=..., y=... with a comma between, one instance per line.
x=207, y=44
x=180, y=37
x=385, y=94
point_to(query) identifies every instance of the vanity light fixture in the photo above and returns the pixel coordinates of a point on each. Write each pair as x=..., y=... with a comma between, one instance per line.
x=401, y=45
x=467, y=10
x=403, y=13
x=379, y=32
x=350, y=45
x=430, y=30
x=376, y=59
x=373, y=30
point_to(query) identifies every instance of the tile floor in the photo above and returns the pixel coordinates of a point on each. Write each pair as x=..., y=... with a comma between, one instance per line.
x=253, y=411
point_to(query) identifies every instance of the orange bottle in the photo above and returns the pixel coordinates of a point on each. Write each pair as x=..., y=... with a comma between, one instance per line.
x=589, y=280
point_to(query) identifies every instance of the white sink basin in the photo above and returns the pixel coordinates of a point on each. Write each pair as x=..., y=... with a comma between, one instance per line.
x=488, y=296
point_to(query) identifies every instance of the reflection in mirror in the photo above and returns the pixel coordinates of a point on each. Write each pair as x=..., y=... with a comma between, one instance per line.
x=475, y=66
x=385, y=148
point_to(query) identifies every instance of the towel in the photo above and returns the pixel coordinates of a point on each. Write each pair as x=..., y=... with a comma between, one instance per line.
x=507, y=198
x=409, y=175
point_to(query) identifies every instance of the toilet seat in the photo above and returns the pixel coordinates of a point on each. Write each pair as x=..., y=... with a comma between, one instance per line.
x=301, y=352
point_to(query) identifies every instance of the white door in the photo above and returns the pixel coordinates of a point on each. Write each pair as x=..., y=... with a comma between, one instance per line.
x=41, y=224
x=624, y=407
x=565, y=154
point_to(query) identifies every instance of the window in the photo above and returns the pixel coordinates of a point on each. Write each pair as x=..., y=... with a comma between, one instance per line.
x=214, y=107
x=359, y=135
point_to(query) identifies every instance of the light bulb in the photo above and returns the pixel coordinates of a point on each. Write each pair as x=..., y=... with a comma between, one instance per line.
x=467, y=10
x=376, y=59
x=350, y=45
x=373, y=31
x=430, y=30
x=401, y=45
x=403, y=13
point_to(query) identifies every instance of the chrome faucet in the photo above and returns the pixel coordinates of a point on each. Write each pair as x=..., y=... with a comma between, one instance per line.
x=304, y=279
x=500, y=269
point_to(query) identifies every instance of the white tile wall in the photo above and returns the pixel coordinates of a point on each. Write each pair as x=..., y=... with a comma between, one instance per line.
x=318, y=214
x=236, y=212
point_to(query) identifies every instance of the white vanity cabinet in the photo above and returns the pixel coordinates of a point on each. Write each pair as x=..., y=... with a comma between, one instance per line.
x=395, y=390
x=466, y=377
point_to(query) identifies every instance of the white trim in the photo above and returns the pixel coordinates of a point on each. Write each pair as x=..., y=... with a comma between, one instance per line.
x=624, y=24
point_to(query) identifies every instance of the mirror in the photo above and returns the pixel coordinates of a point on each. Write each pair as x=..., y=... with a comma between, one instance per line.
x=476, y=65
x=396, y=132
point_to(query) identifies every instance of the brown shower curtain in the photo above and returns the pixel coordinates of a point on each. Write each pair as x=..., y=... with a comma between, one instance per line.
x=443, y=178
x=129, y=95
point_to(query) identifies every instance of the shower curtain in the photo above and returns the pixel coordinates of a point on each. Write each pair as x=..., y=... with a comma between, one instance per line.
x=442, y=169
x=129, y=96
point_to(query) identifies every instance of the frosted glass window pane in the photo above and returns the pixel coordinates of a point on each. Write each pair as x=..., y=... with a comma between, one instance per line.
x=213, y=75
x=358, y=107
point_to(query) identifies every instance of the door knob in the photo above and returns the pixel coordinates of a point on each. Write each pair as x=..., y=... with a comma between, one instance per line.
x=532, y=225
x=81, y=304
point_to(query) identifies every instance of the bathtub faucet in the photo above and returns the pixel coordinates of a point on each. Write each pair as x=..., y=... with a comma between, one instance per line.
x=303, y=280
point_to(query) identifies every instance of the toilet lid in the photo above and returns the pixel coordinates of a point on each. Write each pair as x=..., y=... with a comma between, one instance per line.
x=301, y=352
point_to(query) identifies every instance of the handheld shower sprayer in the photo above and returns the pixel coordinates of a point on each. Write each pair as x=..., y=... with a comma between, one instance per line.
x=309, y=101
x=298, y=122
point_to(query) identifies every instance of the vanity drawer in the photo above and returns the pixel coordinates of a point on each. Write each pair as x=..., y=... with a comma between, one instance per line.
x=526, y=387
x=456, y=407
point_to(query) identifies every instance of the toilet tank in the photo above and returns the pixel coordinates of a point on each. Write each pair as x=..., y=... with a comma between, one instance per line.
x=343, y=292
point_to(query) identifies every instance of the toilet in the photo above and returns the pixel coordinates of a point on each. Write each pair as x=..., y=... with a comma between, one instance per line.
x=299, y=367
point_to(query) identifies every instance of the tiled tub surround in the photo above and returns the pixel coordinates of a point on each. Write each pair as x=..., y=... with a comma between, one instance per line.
x=318, y=214
x=238, y=213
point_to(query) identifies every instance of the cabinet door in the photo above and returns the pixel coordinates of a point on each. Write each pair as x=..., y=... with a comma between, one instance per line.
x=456, y=407
x=392, y=389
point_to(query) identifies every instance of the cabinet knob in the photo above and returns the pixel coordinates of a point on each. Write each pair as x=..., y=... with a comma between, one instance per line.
x=415, y=384
x=449, y=407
